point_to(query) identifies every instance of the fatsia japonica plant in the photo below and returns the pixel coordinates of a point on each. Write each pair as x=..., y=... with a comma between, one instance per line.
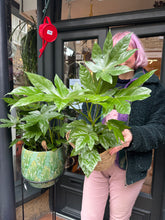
x=97, y=90
x=38, y=125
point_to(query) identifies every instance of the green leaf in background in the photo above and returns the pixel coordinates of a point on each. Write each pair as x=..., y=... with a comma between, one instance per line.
x=31, y=132
x=62, y=129
x=13, y=142
x=11, y=121
x=12, y=100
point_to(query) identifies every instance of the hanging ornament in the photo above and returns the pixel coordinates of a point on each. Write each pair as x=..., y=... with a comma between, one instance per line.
x=47, y=32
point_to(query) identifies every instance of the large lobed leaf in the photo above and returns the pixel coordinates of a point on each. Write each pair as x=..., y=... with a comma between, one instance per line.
x=88, y=160
x=41, y=83
x=86, y=78
x=61, y=88
x=82, y=134
x=42, y=118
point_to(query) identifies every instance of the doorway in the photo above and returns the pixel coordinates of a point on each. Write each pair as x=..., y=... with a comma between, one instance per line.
x=73, y=46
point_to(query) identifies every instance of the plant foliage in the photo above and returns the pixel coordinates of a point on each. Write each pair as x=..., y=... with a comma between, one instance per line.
x=35, y=123
x=99, y=94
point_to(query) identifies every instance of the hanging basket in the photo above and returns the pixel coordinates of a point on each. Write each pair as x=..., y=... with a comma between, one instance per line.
x=41, y=169
x=106, y=161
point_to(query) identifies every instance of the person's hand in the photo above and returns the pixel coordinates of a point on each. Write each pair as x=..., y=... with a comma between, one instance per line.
x=67, y=138
x=127, y=140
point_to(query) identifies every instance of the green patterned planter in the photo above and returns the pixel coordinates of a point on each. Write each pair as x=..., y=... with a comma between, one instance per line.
x=41, y=169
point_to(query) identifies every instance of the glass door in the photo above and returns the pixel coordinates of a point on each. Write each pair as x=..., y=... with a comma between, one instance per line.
x=71, y=50
x=76, y=48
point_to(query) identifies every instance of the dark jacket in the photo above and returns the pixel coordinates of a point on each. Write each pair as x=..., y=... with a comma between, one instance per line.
x=147, y=124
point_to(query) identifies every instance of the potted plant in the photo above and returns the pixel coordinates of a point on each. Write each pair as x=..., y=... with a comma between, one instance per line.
x=98, y=91
x=99, y=94
x=41, y=129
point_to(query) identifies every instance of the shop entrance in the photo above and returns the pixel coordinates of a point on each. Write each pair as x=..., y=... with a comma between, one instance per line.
x=73, y=47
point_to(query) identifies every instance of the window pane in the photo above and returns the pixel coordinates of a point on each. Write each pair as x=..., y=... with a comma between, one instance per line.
x=71, y=8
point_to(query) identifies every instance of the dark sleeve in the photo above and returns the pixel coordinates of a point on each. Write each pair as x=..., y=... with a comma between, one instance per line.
x=152, y=134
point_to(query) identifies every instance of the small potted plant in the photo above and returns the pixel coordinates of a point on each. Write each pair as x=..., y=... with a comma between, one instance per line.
x=42, y=131
x=99, y=93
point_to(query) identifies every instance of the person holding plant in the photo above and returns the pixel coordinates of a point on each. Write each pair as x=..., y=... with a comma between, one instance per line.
x=124, y=179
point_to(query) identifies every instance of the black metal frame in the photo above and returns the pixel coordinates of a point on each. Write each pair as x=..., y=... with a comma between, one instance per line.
x=7, y=195
x=74, y=35
x=113, y=20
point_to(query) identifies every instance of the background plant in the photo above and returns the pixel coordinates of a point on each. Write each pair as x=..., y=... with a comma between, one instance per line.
x=28, y=45
x=29, y=49
x=38, y=125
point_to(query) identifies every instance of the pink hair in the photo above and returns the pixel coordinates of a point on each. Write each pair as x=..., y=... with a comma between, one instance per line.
x=135, y=43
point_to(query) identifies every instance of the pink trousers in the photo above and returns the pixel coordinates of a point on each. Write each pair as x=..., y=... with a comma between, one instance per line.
x=111, y=182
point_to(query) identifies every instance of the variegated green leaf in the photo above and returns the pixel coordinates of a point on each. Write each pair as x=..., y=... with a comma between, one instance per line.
x=34, y=98
x=96, y=52
x=117, y=127
x=61, y=88
x=86, y=78
x=142, y=79
x=88, y=160
x=25, y=90
x=42, y=83
x=108, y=45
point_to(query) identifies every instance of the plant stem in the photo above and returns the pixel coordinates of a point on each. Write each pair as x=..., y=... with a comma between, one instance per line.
x=80, y=112
x=89, y=113
x=51, y=138
x=97, y=113
x=99, y=86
